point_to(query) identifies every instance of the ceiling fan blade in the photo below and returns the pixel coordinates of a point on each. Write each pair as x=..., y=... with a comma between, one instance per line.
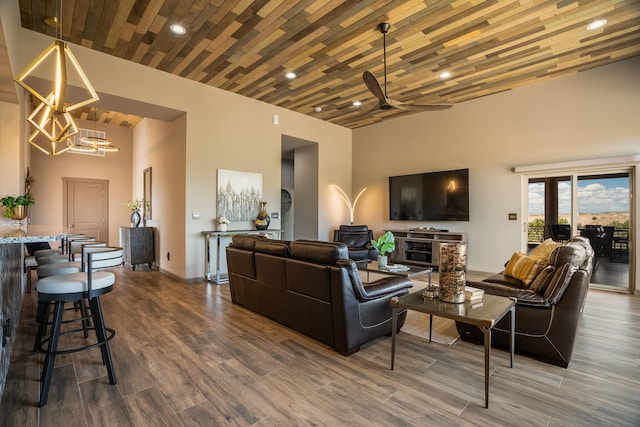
x=373, y=86
x=421, y=107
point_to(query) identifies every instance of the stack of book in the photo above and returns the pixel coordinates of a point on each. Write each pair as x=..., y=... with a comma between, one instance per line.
x=473, y=295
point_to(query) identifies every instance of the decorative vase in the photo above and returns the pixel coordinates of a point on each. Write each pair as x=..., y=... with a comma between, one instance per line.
x=19, y=213
x=221, y=227
x=262, y=220
x=135, y=219
x=452, y=272
x=382, y=261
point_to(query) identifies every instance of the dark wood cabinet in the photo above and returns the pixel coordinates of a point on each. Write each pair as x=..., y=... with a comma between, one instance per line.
x=138, y=246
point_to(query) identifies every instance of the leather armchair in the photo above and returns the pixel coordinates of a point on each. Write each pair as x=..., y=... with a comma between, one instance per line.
x=358, y=240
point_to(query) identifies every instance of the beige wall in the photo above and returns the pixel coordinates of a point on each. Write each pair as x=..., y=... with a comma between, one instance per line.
x=161, y=146
x=14, y=153
x=590, y=115
x=114, y=167
x=11, y=174
x=223, y=130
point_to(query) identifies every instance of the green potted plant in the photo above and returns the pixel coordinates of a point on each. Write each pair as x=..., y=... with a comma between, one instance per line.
x=16, y=207
x=385, y=244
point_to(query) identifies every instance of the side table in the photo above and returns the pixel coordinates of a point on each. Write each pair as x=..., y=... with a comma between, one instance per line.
x=485, y=317
x=218, y=235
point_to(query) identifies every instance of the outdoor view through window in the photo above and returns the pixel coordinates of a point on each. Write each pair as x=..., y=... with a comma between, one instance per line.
x=603, y=216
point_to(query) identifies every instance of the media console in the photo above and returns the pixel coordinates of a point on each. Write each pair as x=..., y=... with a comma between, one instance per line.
x=421, y=246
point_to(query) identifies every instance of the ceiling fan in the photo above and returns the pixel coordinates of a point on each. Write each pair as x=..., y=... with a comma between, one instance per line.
x=385, y=103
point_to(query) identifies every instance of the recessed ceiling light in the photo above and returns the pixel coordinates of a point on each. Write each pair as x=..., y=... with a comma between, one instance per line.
x=596, y=24
x=291, y=75
x=445, y=75
x=317, y=109
x=357, y=103
x=178, y=29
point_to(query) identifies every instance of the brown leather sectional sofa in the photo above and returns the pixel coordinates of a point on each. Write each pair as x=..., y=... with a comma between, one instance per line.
x=546, y=321
x=313, y=288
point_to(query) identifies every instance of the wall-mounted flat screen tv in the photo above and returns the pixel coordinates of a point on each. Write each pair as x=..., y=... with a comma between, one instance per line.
x=430, y=196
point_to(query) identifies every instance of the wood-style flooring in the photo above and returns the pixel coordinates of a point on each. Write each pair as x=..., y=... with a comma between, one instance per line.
x=186, y=356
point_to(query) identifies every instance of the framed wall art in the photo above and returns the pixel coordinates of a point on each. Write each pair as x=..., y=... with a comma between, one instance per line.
x=239, y=195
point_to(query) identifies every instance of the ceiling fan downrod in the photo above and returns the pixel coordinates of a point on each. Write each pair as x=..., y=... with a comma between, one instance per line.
x=384, y=27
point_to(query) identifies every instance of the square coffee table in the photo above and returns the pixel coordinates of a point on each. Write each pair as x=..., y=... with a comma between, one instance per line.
x=484, y=316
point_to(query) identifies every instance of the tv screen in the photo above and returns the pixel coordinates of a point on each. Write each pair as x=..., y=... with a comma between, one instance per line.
x=431, y=196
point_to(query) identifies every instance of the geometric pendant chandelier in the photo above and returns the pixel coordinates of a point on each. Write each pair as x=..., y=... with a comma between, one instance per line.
x=91, y=141
x=57, y=56
x=54, y=125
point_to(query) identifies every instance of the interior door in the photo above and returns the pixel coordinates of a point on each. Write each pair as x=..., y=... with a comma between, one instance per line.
x=86, y=207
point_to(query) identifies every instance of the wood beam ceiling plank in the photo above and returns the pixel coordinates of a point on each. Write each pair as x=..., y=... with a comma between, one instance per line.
x=147, y=18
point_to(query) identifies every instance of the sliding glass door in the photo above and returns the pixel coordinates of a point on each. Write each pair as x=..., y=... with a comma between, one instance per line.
x=603, y=208
x=594, y=205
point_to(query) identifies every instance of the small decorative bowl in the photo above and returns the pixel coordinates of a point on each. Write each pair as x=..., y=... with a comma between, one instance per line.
x=430, y=292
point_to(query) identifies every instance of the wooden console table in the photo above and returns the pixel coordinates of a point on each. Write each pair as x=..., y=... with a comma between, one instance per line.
x=218, y=235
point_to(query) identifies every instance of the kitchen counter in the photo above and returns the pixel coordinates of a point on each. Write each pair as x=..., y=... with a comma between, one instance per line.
x=29, y=234
x=12, y=280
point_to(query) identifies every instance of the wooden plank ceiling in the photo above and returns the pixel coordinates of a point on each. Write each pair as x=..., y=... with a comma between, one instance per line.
x=247, y=46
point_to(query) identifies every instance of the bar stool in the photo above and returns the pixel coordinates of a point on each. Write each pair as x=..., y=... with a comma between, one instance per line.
x=30, y=265
x=69, y=266
x=47, y=250
x=88, y=285
x=60, y=268
x=67, y=255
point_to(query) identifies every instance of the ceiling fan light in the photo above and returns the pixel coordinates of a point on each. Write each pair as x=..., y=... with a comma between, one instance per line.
x=598, y=23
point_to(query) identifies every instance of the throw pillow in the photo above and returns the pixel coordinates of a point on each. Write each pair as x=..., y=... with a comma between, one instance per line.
x=524, y=268
x=544, y=249
x=561, y=279
x=543, y=279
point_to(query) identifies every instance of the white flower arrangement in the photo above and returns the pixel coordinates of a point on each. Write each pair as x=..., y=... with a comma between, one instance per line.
x=134, y=206
x=222, y=220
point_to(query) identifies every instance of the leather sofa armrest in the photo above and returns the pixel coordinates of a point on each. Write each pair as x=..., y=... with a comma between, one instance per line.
x=385, y=286
x=504, y=289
